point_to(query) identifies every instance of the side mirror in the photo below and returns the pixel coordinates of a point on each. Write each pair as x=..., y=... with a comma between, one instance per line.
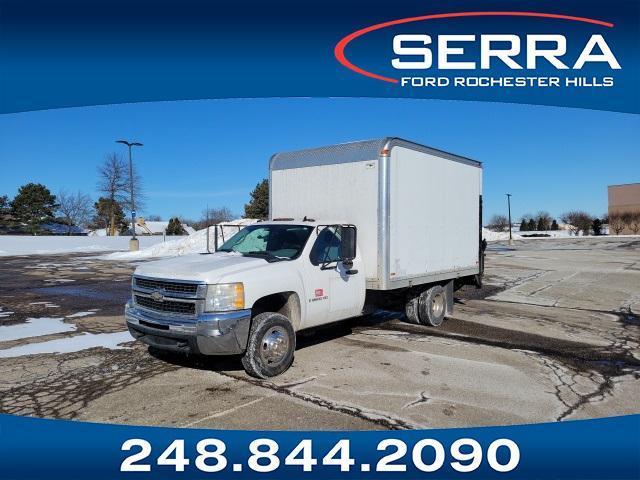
x=348, y=244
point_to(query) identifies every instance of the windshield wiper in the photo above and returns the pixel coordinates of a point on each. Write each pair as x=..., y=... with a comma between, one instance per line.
x=269, y=257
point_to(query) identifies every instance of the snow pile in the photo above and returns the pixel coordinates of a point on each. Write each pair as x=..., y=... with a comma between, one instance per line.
x=194, y=243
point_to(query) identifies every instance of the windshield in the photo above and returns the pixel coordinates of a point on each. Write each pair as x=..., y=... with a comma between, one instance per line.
x=272, y=242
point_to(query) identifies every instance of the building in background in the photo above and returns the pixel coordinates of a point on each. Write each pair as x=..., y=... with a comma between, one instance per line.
x=624, y=198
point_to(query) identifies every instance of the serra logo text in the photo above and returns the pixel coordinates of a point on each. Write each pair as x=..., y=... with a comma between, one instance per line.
x=414, y=52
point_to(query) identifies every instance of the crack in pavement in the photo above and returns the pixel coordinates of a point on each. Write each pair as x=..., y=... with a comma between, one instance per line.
x=380, y=419
x=597, y=365
x=422, y=399
x=566, y=385
x=63, y=393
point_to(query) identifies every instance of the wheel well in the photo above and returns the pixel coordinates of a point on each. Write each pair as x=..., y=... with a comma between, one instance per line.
x=285, y=303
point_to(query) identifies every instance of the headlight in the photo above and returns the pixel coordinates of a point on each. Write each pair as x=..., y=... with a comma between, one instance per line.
x=224, y=297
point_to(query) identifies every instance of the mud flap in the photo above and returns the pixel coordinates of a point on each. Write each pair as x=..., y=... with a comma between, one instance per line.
x=448, y=291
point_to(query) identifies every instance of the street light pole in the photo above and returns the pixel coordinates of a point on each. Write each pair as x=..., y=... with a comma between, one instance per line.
x=509, y=206
x=133, y=243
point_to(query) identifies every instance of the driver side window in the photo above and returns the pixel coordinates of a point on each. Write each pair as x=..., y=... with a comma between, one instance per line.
x=327, y=246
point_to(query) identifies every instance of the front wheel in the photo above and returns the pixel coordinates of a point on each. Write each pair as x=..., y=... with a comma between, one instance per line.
x=271, y=345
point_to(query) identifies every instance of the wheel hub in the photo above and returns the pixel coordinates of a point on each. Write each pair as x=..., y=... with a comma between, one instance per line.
x=437, y=304
x=274, y=345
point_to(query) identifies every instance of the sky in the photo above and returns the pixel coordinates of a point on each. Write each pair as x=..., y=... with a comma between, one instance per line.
x=213, y=152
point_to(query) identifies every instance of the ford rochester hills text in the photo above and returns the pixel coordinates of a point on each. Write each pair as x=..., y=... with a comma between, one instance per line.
x=506, y=82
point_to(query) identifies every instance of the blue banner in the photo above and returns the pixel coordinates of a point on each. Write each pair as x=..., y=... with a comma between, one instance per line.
x=585, y=449
x=71, y=53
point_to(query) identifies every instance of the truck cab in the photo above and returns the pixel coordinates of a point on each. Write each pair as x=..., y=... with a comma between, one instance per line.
x=253, y=294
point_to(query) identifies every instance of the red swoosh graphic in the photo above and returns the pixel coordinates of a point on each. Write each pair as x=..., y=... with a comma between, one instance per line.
x=342, y=44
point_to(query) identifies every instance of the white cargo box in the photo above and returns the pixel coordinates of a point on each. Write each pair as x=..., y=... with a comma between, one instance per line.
x=417, y=209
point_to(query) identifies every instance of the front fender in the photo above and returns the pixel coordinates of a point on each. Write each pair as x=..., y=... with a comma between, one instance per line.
x=272, y=278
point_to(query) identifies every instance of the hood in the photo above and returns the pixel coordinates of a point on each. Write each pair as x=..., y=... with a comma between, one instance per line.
x=208, y=268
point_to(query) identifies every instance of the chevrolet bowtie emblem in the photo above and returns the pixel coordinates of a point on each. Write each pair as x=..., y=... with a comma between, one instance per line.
x=157, y=296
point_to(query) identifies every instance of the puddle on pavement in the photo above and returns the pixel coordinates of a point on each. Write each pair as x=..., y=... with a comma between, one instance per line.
x=116, y=292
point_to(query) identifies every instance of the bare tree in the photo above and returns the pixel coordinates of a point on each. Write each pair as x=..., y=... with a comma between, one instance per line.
x=113, y=182
x=211, y=216
x=138, y=190
x=616, y=223
x=632, y=221
x=75, y=208
x=153, y=218
x=578, y=221
x=498, y=223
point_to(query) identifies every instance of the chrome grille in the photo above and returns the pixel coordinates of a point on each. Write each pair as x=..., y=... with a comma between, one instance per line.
x=167, y=286
x=166, y=306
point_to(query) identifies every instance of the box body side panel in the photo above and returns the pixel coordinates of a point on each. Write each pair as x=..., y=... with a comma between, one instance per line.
x=434, y=221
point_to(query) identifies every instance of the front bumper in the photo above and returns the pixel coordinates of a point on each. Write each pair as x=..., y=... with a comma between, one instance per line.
x=223, y=333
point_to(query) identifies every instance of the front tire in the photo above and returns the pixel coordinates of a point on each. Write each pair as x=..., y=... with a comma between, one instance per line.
x=271, y=345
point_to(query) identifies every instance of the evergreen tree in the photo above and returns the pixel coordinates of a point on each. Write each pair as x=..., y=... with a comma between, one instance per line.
x=541, y=225
x=524, y=225
x=175, y=227
x=102, y=217
x=532, y=225
x=5, y=210
x=596, y=226
x=34, y=205
x=258, y=206
x=554, y=225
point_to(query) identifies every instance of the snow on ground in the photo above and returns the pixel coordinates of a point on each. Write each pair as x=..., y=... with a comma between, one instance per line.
x=35, y=327
x=47, y=244
x=194, y=243
x=38, y=327
x=70, y=344
x=83, y=314
x=492, y=236
x=5, y=313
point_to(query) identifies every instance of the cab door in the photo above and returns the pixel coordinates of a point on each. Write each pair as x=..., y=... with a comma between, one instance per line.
x=335, y=291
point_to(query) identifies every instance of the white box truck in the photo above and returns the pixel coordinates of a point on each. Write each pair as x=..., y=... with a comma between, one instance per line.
x=381, y=223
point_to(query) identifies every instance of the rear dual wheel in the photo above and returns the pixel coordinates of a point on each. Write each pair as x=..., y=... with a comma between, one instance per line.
x=428, y=308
